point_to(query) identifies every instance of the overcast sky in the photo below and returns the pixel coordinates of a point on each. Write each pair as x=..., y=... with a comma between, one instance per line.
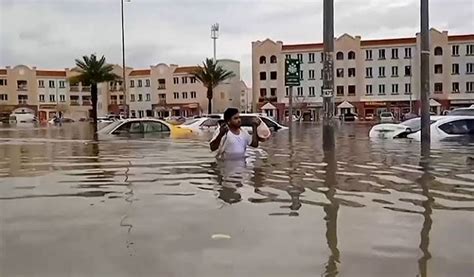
x=52, y=33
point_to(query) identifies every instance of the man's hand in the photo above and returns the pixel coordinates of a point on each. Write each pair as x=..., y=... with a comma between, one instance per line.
x=223, y=130
x=255, y=122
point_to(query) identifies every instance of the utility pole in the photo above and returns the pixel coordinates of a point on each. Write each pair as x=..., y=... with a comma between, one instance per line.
x=425, y=77
x=290, y=107
x=124, y=84
x=328, y=75
x=215, y=36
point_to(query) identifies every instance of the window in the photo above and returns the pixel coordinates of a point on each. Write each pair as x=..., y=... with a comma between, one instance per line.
x=458, y=127
x=407, y=88
x=408, y=70
x=51, y=83
x=311, y=74
x=211, y=122
x=469, y=87
x=438, y=51
x=3, y=97
x=340, y=91
x=340, y=56
x=301, y=75
x=161, y=83
x=62, y=84
x=340, y=72
x=322, y=56
x=3, y=82
x=351, y=55
x=287, y=93
x=132, y=97
x=273, y=75
x=155, y=127
x=131, y=127
x=455, y=50
x=455, y=69
x=140, y=83
x=263, y=76
x=299, y=91
x=148, y=97
x=185, y=95
x=351, y=72
x=394, y=71
x=132, y=83
x=407, y=53
x=140, y=97
x=176, y=95
x=311, y=57
x=22, y=99
x=62, y=98
x=41, y=98
x=352, y=90
x=312, y=92
x=368, y=72
x=41, y=84
x=395, y=89
x=438, y=88
x=382, y=89
x=395, y=53
x=438, y=69
x=368, y=55
x=273, y=59
x=113, y=99
x=162, y=96
x=263, y=92
x=273, y=92
x=263, y=60
x=470, y=68
x=147, y=83
x=381, y=54
x=322, y=74
x=368, y=89
x=287, y=56
x=381, y=71
x=455, y=86
x=193, y=94
x=193, y=80
x=300, y=57
x=184, y=80
x=470, y=50
x=176, y=80
x=52, y=98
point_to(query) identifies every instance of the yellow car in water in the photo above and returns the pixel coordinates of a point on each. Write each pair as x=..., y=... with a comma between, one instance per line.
x=134, y=126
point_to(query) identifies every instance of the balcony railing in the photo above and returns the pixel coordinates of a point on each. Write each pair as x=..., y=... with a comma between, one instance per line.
x=74, y=88
x=161, y=86
x=74, y=102
x=22, y=89
x=22, y=101
x=86, y=88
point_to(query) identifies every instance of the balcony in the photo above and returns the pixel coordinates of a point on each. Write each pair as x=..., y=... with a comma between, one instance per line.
x=161, y=86
x=74, y=102
x=267, y=99
x=22, y=88
x=74, y=88
x=22, y=101
x=86, y=103
x=86, y=88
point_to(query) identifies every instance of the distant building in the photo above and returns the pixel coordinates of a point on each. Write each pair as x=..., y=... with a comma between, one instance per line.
x=245, y=98
x=370, y=76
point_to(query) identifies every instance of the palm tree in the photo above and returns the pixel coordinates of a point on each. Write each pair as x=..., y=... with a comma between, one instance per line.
x=93, y=71
x=211, y=75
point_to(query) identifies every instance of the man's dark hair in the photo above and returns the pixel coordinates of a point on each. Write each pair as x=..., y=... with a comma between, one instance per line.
x=229, y=113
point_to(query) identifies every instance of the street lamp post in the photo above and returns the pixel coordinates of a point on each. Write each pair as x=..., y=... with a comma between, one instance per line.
x=328, y=75
x=124, y=83
x=215, y=36
x=425, y=77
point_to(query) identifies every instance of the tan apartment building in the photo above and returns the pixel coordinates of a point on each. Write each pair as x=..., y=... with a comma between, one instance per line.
x=370, y=76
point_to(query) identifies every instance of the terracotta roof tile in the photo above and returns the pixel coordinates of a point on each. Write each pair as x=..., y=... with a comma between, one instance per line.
x=390, y=41
x=140, y=72
x=50, y=73
x=186, y=69
x=307, y=46
x=461, y=37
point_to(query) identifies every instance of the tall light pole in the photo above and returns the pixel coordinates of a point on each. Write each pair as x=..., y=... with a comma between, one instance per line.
x=214, y=37
x=124, y=84
x=425, y=77
x=328, y=75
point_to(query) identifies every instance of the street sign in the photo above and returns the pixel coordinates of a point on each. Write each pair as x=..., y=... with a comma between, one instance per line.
x=328, y=93
x=292, y=72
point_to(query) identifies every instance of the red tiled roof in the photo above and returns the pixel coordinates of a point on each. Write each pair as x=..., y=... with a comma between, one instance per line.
x=291, y=47
x=50, y=73
x=186, y=69
x=3, y=72
x=461, y=37
x=140, y=72
x=390, y=41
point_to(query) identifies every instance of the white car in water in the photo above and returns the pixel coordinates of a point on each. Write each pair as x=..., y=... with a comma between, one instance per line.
x=463, y=111
x=203, y=124
x=449, y=127
x=387, y=117
x=140, y=126
x=401, y=130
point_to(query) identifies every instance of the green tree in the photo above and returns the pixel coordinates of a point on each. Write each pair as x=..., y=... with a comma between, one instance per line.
x=93, y=71
x=211, y=75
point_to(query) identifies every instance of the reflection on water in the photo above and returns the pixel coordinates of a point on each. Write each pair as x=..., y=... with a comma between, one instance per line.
x=292, y=208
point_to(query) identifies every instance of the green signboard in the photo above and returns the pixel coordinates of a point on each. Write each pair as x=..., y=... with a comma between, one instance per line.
x=292, y=72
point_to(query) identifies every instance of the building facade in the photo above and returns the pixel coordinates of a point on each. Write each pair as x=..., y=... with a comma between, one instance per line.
x=370, y=76
x=160, y=91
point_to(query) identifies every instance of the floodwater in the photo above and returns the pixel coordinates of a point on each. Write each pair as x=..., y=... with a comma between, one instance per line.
x=159, y=207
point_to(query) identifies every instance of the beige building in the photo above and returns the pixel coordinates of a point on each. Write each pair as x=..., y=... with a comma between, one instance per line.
x=160, y=91
x=246, y=101
x=370, y=76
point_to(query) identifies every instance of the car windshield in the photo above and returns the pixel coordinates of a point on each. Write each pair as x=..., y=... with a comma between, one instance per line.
x=415, y=123
x=110, y=127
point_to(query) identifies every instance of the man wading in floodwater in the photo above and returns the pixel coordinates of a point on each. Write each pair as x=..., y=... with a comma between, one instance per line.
x=230, y=140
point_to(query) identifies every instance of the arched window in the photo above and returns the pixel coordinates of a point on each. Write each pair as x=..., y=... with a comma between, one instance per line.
x=273, y=59
x=263, y=60
x=351, y=55
x=438, y=51
x=340, y=56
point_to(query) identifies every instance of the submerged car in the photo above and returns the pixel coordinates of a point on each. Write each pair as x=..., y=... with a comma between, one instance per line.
x=449, y=127
x=387, y=117
x=202, y=125
x=463, y=111
x=401, y=130
x=134, y=126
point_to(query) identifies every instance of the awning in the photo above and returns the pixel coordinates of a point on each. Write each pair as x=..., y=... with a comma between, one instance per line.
x=434, y=103
x=193, y=106
x=345, y=105
x=268, y=106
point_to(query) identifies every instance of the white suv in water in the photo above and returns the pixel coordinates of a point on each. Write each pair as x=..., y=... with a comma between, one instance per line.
x=387, y=117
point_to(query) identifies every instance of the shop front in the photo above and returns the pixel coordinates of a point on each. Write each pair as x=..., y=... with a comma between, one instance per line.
x=453, y=104
x=184, y=110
